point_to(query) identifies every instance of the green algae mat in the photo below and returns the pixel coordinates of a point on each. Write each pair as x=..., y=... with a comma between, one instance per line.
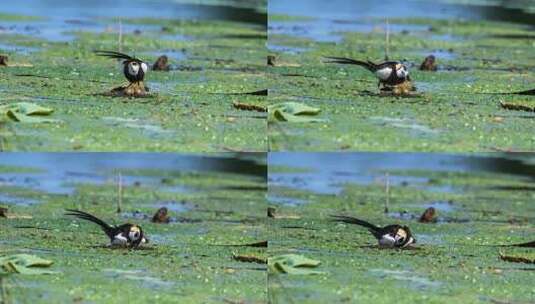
x=213, y=64
x=463, y=106
x=188, y=259
x=457, y=258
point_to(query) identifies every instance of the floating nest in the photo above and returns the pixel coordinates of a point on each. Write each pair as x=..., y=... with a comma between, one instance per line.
x=134, y=89
x=404, y=89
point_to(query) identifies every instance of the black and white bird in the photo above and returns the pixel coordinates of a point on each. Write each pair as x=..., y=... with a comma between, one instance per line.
x=391, y=236
x=125, y=235
x=389, y=73
x=134, y=69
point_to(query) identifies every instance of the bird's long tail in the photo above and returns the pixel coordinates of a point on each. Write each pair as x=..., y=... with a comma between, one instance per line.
x=354, y=221
x=88, y=217
x=113, y=54
x=366, y=64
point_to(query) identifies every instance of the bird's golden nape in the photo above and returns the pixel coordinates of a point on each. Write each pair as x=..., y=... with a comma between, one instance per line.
x=404, y=237
x=135, y=233
x=136, y=236
x=401, y=233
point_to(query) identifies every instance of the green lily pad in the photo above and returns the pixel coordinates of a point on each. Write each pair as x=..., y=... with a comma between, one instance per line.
x=25, y=264
x=293, y=112
x=293, y=264
x=26, y=112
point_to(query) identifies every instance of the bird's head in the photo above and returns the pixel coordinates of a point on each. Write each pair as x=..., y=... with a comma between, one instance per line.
x=135, y=235
x=404, y=237
x=402, y=71
x=136, y=66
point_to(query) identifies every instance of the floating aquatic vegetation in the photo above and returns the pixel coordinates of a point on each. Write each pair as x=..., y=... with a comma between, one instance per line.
x=26, y=112
x=293, y=112
x=25, y=264
x=293, y=264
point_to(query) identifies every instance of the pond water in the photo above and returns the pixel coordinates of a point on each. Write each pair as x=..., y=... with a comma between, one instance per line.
x=326, y=173
x=72, y=10
x=512, y=11
x=58, y=173
x=330, y=19
x=62, y=17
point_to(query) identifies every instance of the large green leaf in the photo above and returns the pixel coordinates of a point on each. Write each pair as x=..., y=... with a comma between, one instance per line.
x=25, y=264
x=293, y=112
x=293, y=264
x=26, y=112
